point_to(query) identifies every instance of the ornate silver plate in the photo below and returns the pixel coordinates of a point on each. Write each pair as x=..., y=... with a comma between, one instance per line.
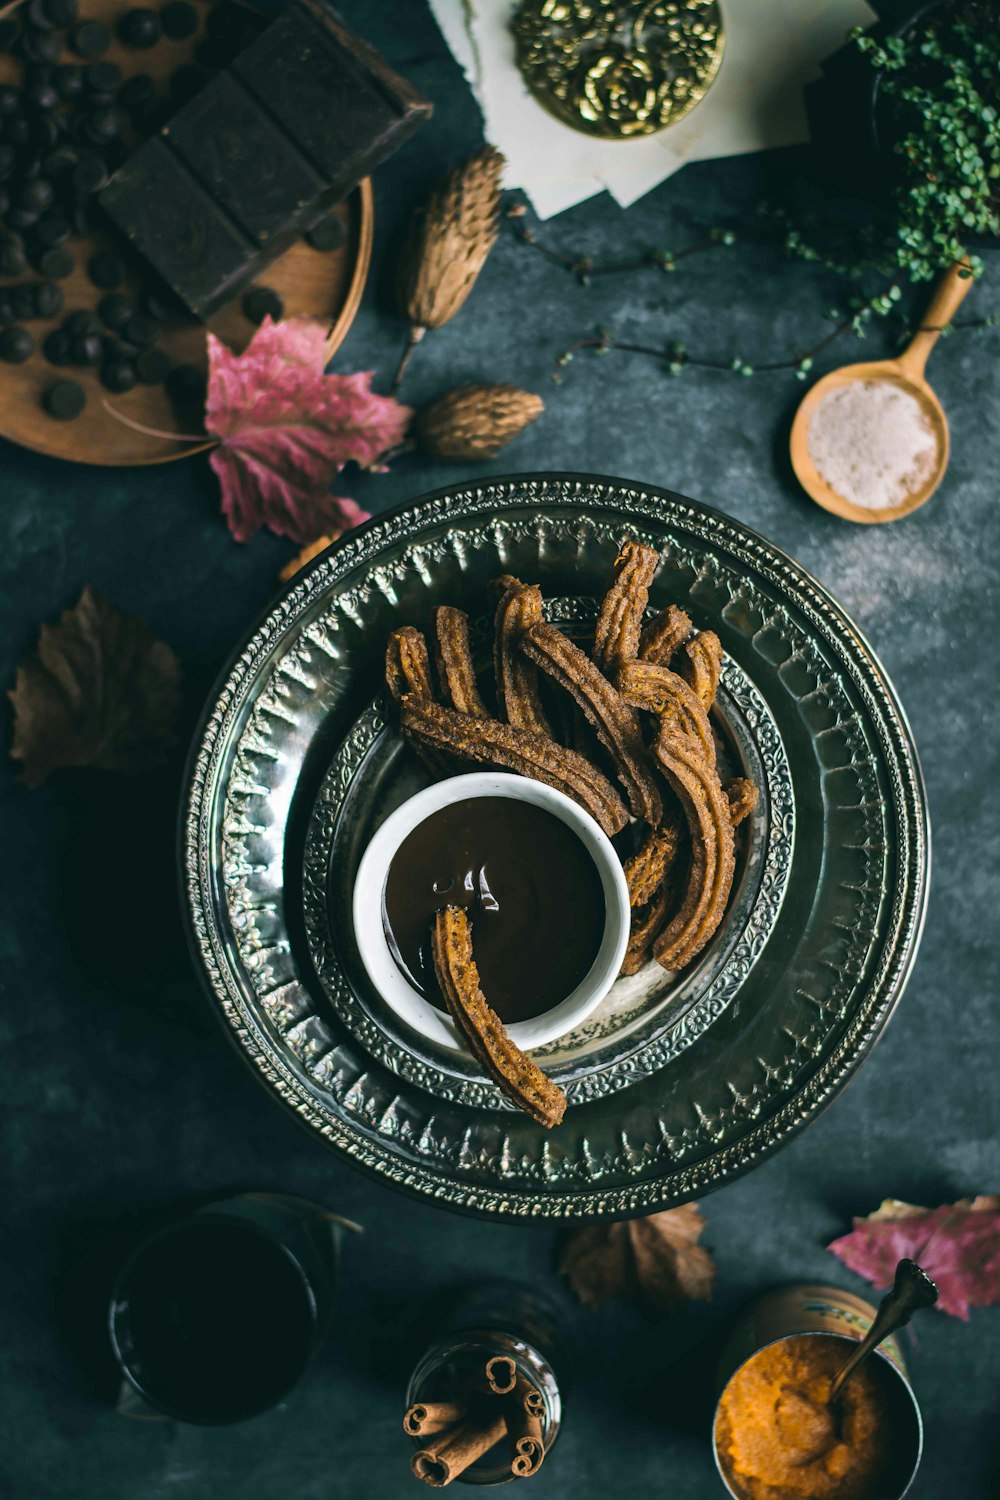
x=675, y=1088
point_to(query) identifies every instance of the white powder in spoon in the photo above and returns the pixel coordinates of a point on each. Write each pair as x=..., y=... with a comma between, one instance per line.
x=872, y=442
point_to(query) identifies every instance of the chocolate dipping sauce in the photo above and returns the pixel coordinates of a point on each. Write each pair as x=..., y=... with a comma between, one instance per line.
x=533, y=893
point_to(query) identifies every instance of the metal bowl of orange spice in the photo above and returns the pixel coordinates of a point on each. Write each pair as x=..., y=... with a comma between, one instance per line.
x=774, y=1437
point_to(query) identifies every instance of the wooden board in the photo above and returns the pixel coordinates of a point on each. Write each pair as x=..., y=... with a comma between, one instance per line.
x=322, y=285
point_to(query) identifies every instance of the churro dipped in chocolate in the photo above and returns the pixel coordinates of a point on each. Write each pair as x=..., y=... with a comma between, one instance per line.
x=519, y=607
x=454, y=661
x=700, y=664
x=488, y=742
x=619, y=623
x=706, y=809
x=662, y=692
x=517, y=1075
x=664, y=635
x=615, y=723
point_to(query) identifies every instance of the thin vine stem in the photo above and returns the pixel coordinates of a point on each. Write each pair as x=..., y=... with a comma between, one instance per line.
x=605, y=342
x=585, y=269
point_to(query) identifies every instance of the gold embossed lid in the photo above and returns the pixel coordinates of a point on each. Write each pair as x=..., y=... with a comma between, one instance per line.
x=619, y=70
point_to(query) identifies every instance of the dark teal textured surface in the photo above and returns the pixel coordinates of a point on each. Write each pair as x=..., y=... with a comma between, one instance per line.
x=120, y=1098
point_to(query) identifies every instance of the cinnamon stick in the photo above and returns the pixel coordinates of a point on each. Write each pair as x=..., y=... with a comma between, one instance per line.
x=428, y=1417
x=525, y=1418
x=501, y=1374
x=450, y=1454
x=527, y=1447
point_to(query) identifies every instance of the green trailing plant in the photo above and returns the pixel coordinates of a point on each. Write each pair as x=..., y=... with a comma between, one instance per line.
x=939, y=121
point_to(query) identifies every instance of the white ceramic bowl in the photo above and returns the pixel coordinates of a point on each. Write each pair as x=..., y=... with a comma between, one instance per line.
x=369, y=888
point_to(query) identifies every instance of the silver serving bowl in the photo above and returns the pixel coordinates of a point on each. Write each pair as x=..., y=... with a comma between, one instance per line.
x=677, y=1083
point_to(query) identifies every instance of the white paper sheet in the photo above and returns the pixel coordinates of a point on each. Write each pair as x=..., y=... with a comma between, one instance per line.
x=773, y=48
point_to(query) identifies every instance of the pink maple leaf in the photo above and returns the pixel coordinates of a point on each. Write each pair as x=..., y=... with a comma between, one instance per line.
x=285, y=428
x=958, y=1245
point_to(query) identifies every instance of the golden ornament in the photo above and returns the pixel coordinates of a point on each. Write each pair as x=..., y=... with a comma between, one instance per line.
x=448, y=241
x=619, y=70
x=475, y=421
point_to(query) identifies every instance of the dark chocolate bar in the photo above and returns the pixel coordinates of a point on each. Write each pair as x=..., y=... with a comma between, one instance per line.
x=260, y=154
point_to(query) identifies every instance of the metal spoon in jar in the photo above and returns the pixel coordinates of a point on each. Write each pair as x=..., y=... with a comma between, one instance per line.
x=911, y=1289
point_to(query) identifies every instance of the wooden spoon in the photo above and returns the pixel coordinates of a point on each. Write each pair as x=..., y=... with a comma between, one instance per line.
x=907, y=372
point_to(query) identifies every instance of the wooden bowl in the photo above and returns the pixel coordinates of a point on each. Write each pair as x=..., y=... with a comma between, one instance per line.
x=326, y=285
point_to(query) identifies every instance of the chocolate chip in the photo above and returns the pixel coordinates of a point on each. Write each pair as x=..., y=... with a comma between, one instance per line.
x=152, y=366
x=56, y=263
x=261, y=302
x=38, y=45
x=65, y=400
x=49, y=299
x=90, y=39
x=16, y=345
x=327, y=234
x=137, y=92
x=179, y=20
x=13, y=261
x=102, y=77
x=52, y=229
x=141, y=330
x=118, y=376
x=89, y=174
x=186, y=385
x=82, y=323
x=35, y=195
x=87, y=350
x=67, y=81
x=106, y=270
x=139, y=28
x=56, y=347
x=115, y=310
x=22, y=302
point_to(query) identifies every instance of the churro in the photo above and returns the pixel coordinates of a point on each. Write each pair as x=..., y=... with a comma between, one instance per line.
x=454, y=661
x=743, y=798
x=647, y=924
x=488, y=742
x=517, y=1075
x=660, y=691
x=664, y=634
x=711, y=875
x=520, y=701
x=408, y=664
x=700, y=664
x=619, y=623
x=645, y=869
x=615, y=723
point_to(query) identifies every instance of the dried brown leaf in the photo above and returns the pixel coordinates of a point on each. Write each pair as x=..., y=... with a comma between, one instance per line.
x=98, y=690
x=655, y=1260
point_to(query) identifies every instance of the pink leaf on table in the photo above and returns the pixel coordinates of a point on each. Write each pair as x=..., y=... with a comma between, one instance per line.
x=285, y=429
x=958, y=1245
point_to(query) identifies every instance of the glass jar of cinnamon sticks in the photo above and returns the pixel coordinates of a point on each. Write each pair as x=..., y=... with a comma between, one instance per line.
x=483, y=1402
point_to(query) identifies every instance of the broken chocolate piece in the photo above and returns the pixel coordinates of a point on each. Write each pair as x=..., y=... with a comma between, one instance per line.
x=260, y=152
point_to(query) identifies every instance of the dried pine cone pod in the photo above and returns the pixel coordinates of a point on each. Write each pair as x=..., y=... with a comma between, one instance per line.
x=448, y=241
x=475, y=421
